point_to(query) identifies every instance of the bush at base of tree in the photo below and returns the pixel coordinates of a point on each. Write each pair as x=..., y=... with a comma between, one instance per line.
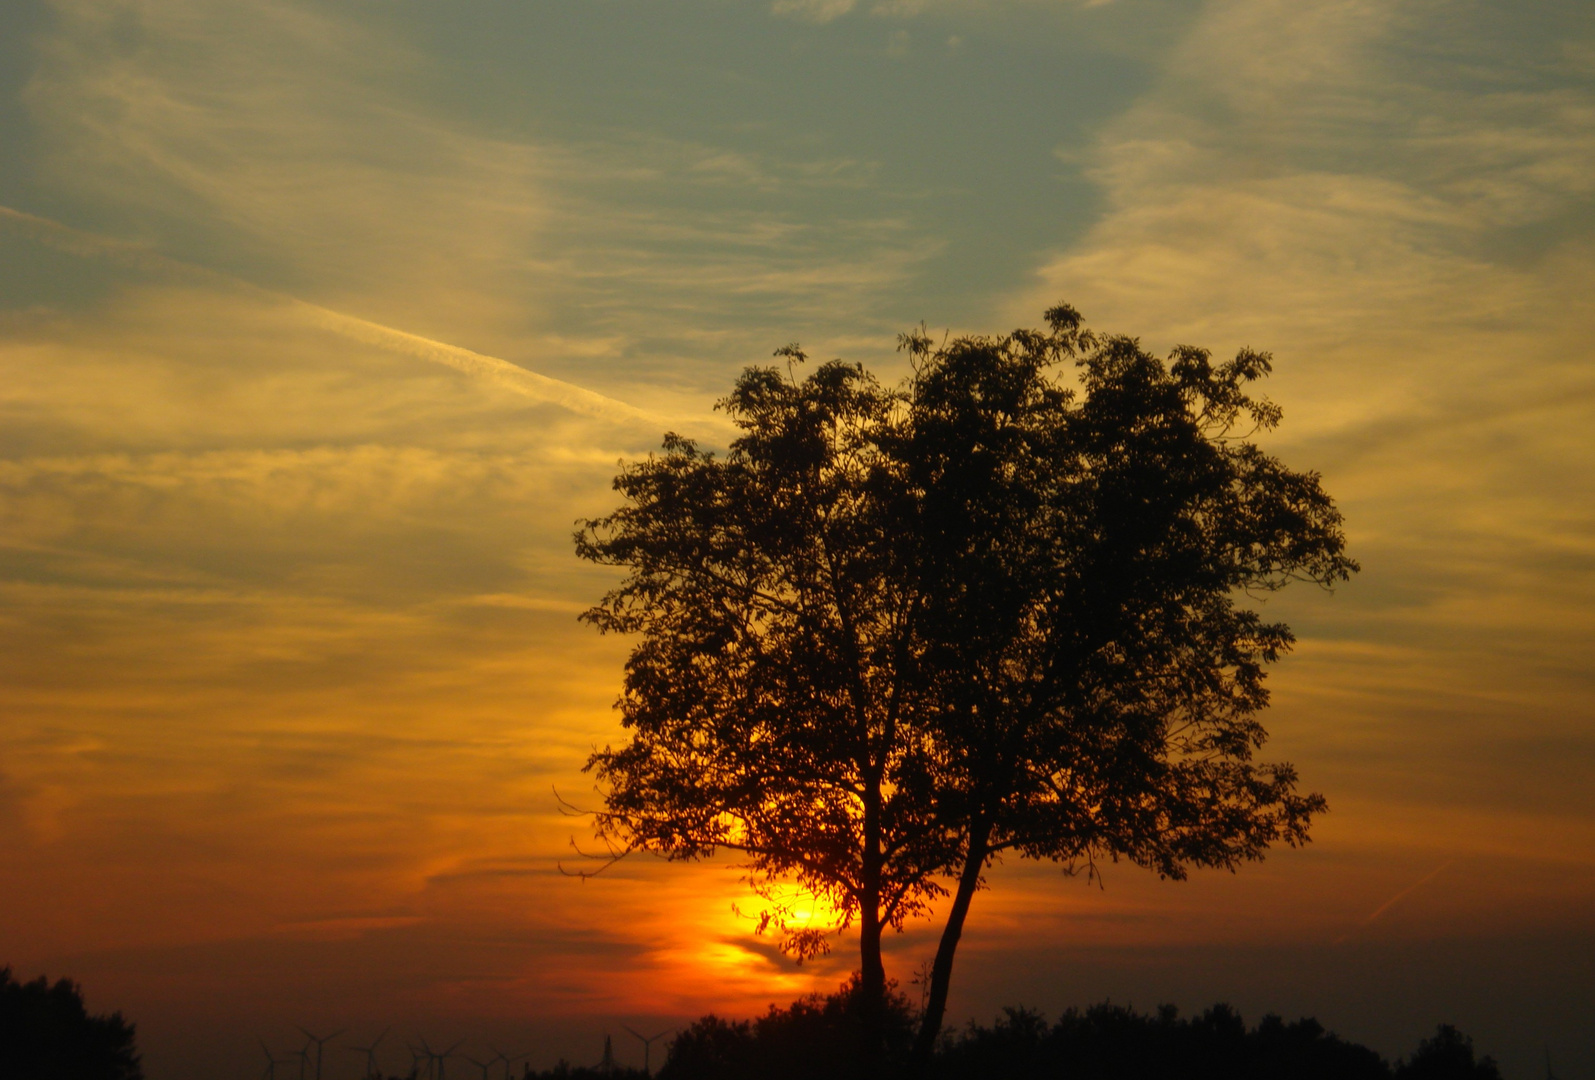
x=47, y=1034
x=818, y=1036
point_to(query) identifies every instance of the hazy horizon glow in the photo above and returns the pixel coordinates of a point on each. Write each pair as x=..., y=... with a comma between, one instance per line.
x=322, y=321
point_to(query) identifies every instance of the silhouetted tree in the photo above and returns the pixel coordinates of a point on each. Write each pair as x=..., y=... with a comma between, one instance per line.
x=894, y=634
x=47, y=1034
x=1448, y=1055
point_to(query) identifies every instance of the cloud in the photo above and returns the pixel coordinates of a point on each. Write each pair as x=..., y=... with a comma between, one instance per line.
x=288, y=593
x=283, y=142
x=1394, y=200
x=286, y=479
x=1295, y=182
x=259, y=136
x=27, y=229
x=812, y=11
x=257, y=557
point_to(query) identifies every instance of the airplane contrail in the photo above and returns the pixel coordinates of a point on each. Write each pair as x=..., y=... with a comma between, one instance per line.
x=511, y=376
x=1396, y=899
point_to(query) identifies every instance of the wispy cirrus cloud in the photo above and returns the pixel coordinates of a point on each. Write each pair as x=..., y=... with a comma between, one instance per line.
x=815, y=11
x=1396, y=201
x=278, y=140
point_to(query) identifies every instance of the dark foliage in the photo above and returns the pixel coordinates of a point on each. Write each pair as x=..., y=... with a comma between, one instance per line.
x=895, y=635
x=1447, y=1056
x=817, y=1036
x=566, y=1071
x=1111, y=1042
x=47, y=1034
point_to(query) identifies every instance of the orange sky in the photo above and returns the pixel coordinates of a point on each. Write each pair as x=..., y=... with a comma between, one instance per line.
x=319, y=327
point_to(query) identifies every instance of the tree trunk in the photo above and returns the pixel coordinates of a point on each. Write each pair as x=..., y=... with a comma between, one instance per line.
x=872, y=971
x=941, y=973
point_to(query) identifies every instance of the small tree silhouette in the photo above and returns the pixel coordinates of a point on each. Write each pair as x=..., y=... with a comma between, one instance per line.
x=1447, y=1055
x=47, y=1034
x=896, y=634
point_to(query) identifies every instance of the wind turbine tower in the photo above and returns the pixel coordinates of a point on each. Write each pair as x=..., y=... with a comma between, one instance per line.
x=647, y=1047
x=272, y=1061
x=371, y=1053
x=435, y=1058
x=321, y=1044
x=507, y=1059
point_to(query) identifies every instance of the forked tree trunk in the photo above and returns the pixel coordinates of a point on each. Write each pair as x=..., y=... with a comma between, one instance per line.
x=941, y=972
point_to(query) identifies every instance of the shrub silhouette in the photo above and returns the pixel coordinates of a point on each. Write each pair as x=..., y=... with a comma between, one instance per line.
x=47, y=1034
x=1113, y=1042
x=818, y=1036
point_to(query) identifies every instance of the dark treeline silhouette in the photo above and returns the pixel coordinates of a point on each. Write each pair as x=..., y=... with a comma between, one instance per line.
x=47, y=1034
x=1114, y=1042
x=819, y=1036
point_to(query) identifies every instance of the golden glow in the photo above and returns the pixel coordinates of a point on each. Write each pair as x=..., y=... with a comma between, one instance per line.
x=298, y=413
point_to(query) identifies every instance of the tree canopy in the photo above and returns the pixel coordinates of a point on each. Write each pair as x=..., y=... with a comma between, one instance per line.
x=46, y=1033
x=896, y=633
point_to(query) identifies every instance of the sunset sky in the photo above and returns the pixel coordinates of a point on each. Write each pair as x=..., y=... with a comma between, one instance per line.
x=321, y=321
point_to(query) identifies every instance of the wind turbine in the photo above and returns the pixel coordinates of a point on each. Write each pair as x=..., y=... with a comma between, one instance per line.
x=483, y=1065
x=447, y=1054
x=507, y=1059
x=424, y=1054
x=435, y=1059
x=647, y=1046
x=321, y=1042
x=416, y=1057
x=272, y=1061
x=371, y=1052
